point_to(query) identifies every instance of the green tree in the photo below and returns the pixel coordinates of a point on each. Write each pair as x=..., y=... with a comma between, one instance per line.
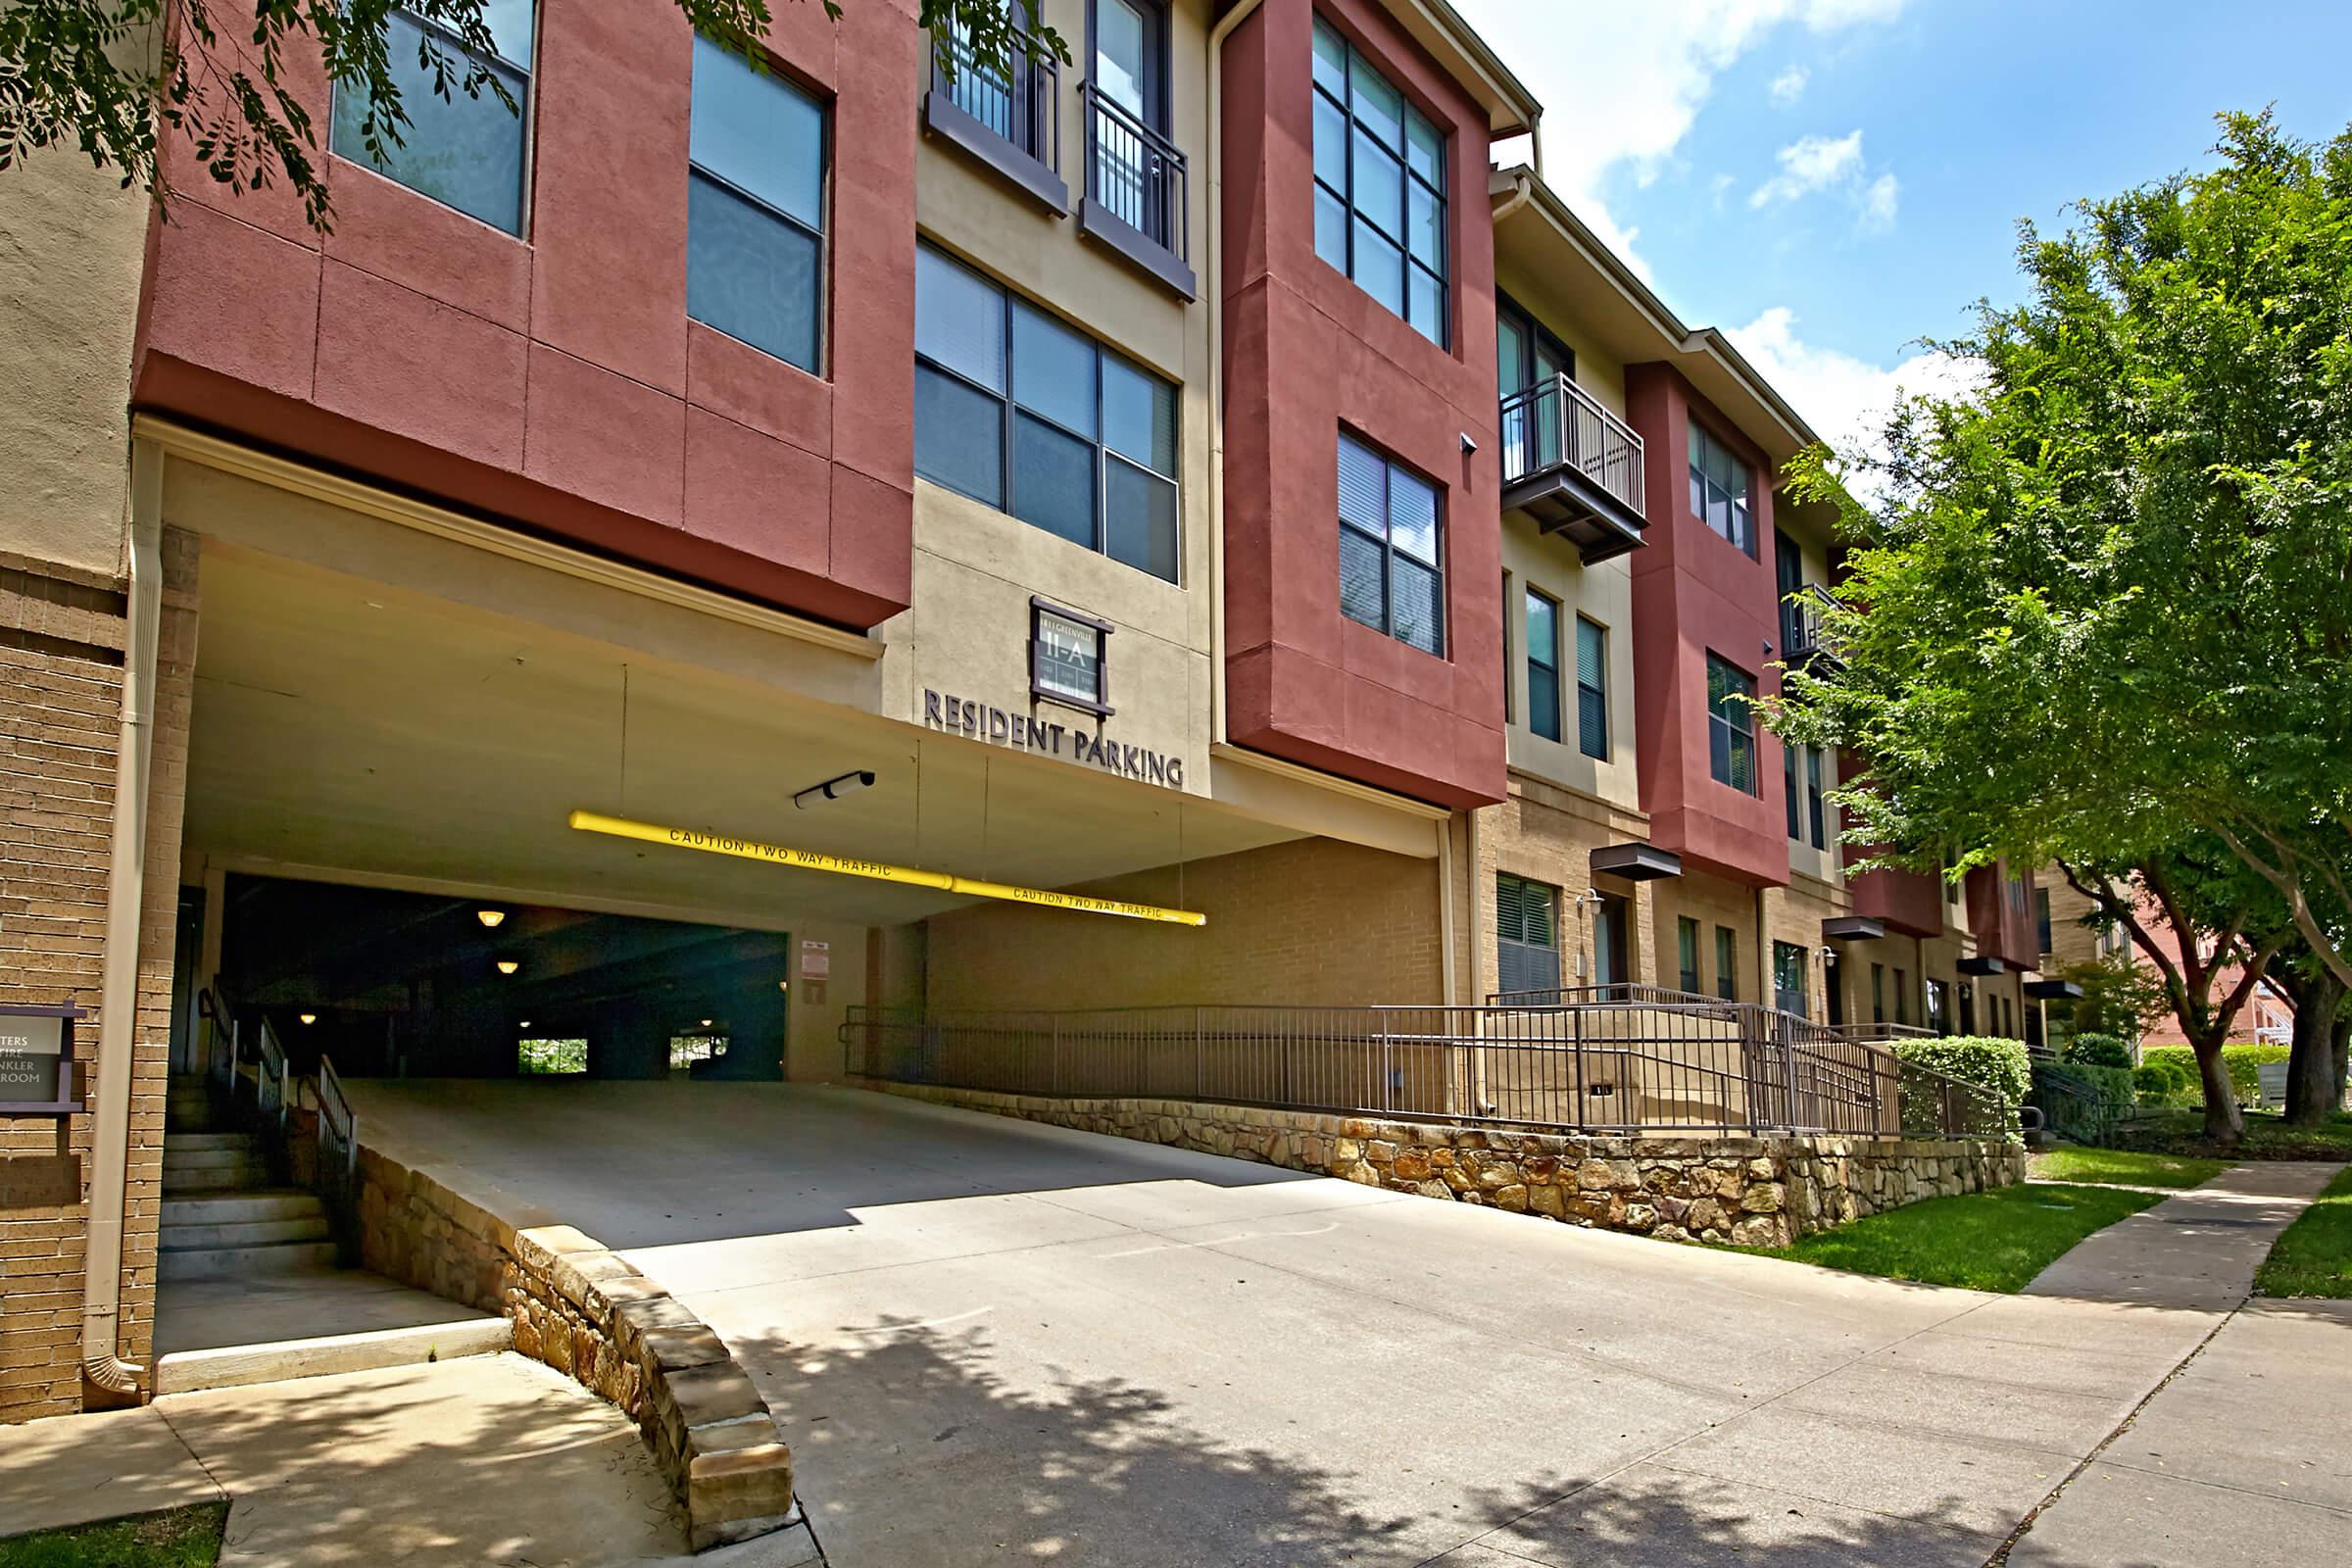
x=112, y=76
x=2109, y=591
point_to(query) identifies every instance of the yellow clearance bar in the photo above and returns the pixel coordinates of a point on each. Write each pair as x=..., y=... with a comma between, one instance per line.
x=686, y=838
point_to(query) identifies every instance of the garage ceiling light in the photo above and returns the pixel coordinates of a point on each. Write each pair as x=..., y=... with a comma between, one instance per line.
x=310, y=1017
x=833, y=789
x=490, y=917
x=508, y=965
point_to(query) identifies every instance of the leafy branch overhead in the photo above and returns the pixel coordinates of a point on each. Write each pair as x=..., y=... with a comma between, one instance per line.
x=112, y=76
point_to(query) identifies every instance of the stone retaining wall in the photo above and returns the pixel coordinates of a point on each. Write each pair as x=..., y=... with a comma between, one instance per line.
x=1761, y=1191
x=584, y=1312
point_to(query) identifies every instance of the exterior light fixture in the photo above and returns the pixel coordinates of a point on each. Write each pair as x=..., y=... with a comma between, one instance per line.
x=784, y=985
x=310, y=1017
x=525, y=1023
x=508, y=965
x=705, y=1023
x=490, y=917
x=833, y=789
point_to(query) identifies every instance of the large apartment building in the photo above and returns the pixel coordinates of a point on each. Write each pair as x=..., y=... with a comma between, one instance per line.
x=1194, y=524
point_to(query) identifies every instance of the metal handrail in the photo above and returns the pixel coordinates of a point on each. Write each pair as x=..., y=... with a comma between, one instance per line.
x=1134, y=173
x=1618, y=991
x=1557, y=425
x=1020, y=102
x=1804, y=623
x=1867, y=1032
x=220, y=1054
x=272, y=1077
x=338, y=1123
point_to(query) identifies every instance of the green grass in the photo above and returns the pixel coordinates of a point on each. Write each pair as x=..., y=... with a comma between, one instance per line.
x=2313, y=1256
x=2267, y=1137
x=1995, y=1241
x=2130, y=1167
x=184, y=1538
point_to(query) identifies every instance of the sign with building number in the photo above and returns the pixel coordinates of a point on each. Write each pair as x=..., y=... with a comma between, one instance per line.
x=35, y=1059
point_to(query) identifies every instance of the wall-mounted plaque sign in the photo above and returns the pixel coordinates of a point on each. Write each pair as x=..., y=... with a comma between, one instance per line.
x=36, y=1061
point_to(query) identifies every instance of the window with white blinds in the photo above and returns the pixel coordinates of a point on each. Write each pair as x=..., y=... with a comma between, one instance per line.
x=1526, y=921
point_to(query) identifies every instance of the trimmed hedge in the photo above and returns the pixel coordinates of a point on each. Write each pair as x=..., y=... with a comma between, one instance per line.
x=1989, y=1061
x=2241, y=1060
x=2163, y=1081
x=2098, y=1050
x=2081, y=1101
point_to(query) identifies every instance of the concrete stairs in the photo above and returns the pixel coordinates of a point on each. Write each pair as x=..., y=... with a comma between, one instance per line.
x=221, y=1219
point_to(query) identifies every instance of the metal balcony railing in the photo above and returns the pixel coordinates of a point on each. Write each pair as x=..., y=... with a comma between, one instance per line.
x=1135, y=173
x=1805, y=625
x=1019, y=101
x=1557, y=425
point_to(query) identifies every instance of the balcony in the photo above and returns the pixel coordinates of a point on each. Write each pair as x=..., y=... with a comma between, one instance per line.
x=1006, y=115
x=1573, y=467
x=1805, y=640
x=1136, y=192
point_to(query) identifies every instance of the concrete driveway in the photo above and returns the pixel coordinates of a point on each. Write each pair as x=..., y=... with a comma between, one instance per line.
x=993, y=1341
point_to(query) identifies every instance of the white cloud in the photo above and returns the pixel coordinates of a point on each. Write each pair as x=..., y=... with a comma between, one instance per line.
x=1621, y=84
x=1843, y=398
x=1877, y=204
x=1789, y=85
x=1811, y=163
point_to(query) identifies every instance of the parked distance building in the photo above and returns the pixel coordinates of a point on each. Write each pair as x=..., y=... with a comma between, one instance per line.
x=1203, y=525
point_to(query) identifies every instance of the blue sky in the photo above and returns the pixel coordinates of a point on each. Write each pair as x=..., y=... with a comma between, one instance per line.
x=1830, y=179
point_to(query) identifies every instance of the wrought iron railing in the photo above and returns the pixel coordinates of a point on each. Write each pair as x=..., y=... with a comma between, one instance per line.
x=1805, y=625
x=1612, y=1065
x=273, y=1079
x=1557, y=425
x=1868, y=1032
x=1020, y=99
x=338, y=1158
x=1617, y=992
x=1134, y=173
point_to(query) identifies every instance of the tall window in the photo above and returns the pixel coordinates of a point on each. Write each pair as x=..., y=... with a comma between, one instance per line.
x=1390, y=575
x=1612, y=958
x=1527, y=917
x=1902, y=996
x=1789, y=979
x=756, y=206
x=1127, y=128
x=1732, y=725
x=1816, y=805
x=2041, y=918
x=1789, y=789
x=1940, y=1015
x=1591, y=689
x=1542, y=665
x=465, y=151
x=1878, y=992
x=1719, y=489
x=1727, y=963
x=1013, y=409
x=1686, y=942
x=1379, y=187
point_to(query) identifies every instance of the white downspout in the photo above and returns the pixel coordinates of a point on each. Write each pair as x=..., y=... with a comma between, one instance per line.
x=126, y=894
x=1212, y=272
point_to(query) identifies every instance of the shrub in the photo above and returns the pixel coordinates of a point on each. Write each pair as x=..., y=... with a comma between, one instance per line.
x=2082, y=1102
x=1989, y=1062
x=2241, y=1060
x=2098, y=1050
x=2162, y=1082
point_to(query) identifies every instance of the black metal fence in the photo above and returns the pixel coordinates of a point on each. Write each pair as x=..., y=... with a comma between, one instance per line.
x=1613, y=1063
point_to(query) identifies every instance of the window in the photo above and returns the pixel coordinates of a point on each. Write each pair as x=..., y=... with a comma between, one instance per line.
x=1685, y=940
x=1939, y=1016
x=2041, y=918
x=1065, y=658
x=1542, y=665
x=1591, y=689
x=465, y=151
x=1719, y=489
x=1732, y=725
x=1379, y=187
x=1011, y=98
x=687, y=1049
x=756, y=206
x=1389, y=578
x=1902, y=996
x=1878, y=992
x=1789, y=788
x=1727, y=963
x=1816, y=808
x=1510, y=706
x=1133, y=172
x=1788, y=571
x=536, y=1057
x=1016, y=409
x=1528, y=927
x=1528, y=358
x=1789, y=979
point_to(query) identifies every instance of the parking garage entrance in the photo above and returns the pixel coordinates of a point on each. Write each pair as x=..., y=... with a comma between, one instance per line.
x=411, y=985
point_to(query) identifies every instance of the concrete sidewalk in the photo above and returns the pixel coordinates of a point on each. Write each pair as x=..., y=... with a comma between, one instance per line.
x=2197, y=1249
x=486, y=1459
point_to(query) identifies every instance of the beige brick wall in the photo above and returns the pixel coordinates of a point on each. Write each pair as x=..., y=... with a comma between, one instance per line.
x=61, y=643
x=1547, y=834
x=1712, y=901
x=1310, y=922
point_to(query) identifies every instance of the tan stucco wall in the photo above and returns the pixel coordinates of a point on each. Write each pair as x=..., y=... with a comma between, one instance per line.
x=1311, y=922
x=1541, y=296
x=1603, y=594
x=1712, y=901
x=71, y=244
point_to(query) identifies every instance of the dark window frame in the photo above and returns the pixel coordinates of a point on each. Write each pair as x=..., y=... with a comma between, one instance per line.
x=1686, y=942
x=776, y=71
x=1548, y=670
x=1741, y=507
x=1441, y=274
x=1816, y=803
x=1039, y=692
x=1010, y=410
x=1727, y=963
x=1390, y=467
x=1505, y=929
x=1593, y=696
x=527, y=115
x=1731, y=726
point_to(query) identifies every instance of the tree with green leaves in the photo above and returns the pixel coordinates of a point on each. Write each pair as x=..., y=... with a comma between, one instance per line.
x=114, y=77
x=2099, y=609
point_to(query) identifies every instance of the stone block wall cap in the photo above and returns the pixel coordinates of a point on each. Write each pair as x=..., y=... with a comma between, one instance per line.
x=726, y=1437
x=674, y=1350
x=658, y=1311
x=720, y=1391
x=556, y=1241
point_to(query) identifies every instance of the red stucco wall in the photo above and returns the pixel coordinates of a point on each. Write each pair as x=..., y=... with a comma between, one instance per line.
x=2004, y=931
x=1696, y=593
x=555, y=379
x=1307, y=353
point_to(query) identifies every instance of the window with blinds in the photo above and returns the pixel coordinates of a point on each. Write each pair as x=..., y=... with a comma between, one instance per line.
x=1686, y=934
x=1527, y=922
x=1591, y=689
x=1732, y=725
x=1727, y=963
